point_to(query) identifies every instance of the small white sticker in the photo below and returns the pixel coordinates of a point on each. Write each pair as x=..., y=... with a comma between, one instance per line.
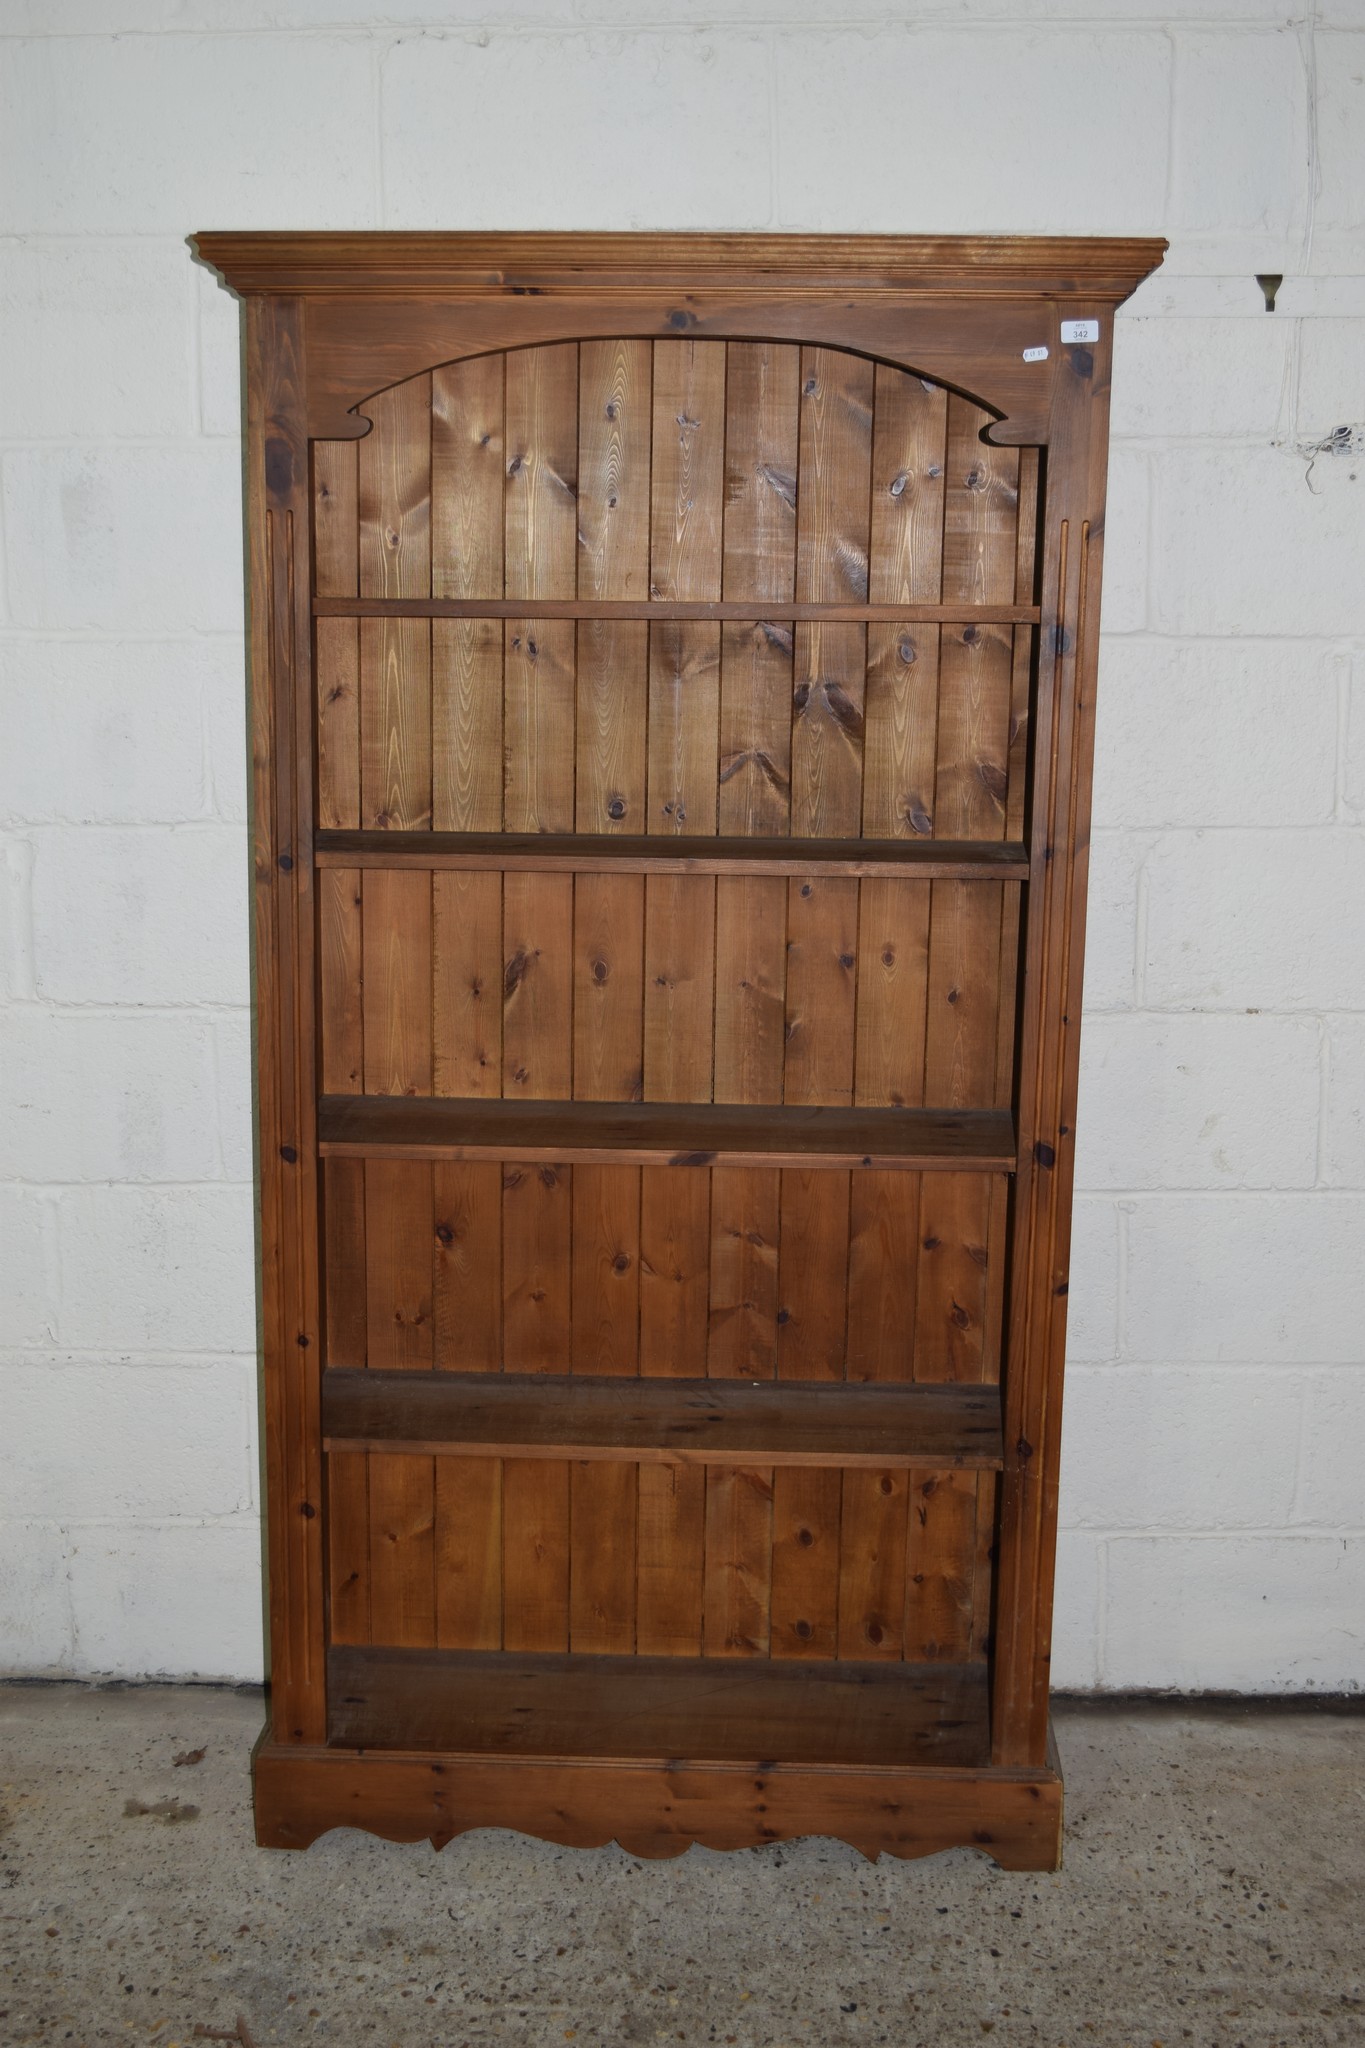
x=1035, y=355
x=1080, y=330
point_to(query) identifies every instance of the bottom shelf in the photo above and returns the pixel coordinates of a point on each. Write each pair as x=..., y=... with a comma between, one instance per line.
x=1011, y=1813
x=749, y=1710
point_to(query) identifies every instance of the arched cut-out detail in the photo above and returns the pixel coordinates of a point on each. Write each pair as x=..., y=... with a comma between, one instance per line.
x=527, y=447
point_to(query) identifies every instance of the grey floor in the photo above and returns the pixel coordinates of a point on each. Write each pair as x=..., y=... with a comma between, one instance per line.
x=1214, y=1893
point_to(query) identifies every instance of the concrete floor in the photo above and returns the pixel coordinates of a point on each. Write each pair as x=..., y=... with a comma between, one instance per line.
x=1214, y=1893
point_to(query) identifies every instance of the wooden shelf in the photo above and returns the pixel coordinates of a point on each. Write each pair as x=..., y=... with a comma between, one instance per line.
x=707, y=1709
x=587, y=853
x=752, y=611
x=663, y=1133
x=854, y=1425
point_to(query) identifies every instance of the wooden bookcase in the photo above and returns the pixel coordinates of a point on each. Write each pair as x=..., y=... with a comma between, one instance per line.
x=673, y=665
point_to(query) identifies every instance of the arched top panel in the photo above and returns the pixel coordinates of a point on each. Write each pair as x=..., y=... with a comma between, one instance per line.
x=638, y=470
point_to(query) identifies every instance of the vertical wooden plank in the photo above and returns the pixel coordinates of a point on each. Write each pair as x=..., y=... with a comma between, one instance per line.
x=467, y=972
x=338, y=730
x=398, y=1264
x=396, y=949
x=996, y=1237
x=402, y=1551
x=940, y=1580
x=833, y=515
x=763, y=409
x=983, y=1581
x=900, y=739
x=950, y=1308
x=675, y=1231
x=339, y=983
x=343, y=1216
x=336, y=530
x=466, y=725
x=963, y=1009
x=535, y=1554
x=467, y=481
x=395, y=654
x=979, y=565
x=541, y=499
x=395, y=725
x=606, y=1269
x=686, y=513
x=827, y=730
x=395, y=493
x=394, y=505
x=282, y=706
x=398, y=1246
x=755, y=739
x=909, y=457
x=608, y=988
x=751, y=919
x=467, y=1278
x=893, y=968
x=467, y=993
x=750, y=990
x=900, y=750
x=762, y=418
x=538, y=729
x=679, y=987
x=980, y=508
x=687, y=489
x=812, y=1275
x=614, y=429
x=602, y=1568
x=742, y=1334
x=612, y=713
x=467, y=465
x=872, y=1554
x=909, y=430
x=833, y=502
x=822, y=978
x=962, y=1013
x=688, y=477
x=537, y=986
x=684, y=709
x=468, y=1557
x=536, y=1213
x=1021, y=689
x=615, y=393
x=883, y=1268
x=541, y=550
x=1059, y=832
x=670, y=1540
x=738, y=1584
x=608, y=1067
x=1025, y=592
x=348, y=1546
x=402, y=1493
x=805, y=1597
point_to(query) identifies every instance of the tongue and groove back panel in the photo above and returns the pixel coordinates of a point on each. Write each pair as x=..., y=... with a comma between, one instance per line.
x=673, y=666
x=646, y=471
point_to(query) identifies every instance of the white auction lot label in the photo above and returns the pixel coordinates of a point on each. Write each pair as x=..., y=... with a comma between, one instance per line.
x=1080, y=330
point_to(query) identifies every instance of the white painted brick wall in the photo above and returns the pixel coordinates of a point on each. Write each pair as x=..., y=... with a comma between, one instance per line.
x=1213, y=1530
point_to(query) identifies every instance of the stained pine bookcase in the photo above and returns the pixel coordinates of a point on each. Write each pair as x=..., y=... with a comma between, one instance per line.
x=673, y=666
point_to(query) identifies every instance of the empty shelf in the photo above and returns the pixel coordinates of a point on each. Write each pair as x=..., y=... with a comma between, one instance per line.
x=663, y=1133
